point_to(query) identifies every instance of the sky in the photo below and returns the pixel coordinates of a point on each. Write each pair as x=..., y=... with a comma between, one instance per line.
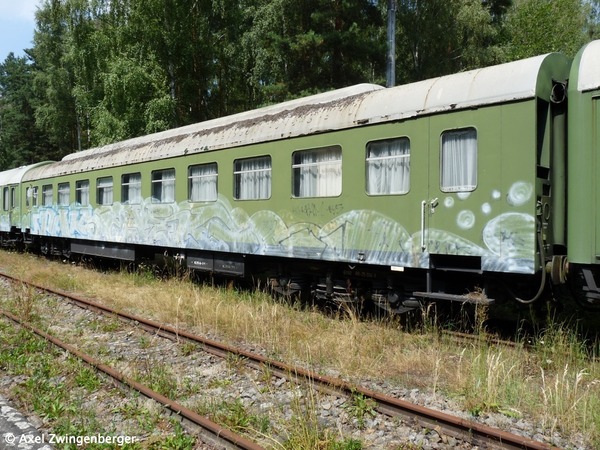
x=17, y=22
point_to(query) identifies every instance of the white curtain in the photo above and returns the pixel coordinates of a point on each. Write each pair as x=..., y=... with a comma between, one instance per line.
x=28, y=196
x=47, y=195
x=318, y=173
x=253, y=178
x=459, y=161
x=63, y=194
x=203, y=183
x=169, y=186
x=388, y=167
x=163, y=186
x=132, y=188
x=82, y=190
x=105, y=191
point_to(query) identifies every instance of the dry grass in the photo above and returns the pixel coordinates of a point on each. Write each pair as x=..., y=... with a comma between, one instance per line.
x=557, y=384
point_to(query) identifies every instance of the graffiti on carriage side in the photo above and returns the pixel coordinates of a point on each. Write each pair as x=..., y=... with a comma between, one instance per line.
x=366, y=236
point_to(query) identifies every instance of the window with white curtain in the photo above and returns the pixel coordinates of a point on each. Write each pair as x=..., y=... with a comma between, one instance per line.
x=163, y=186
x=252, y=178
x=82, y=192
x=64, y=193
x=104, y=191
x=317, y=172
x=29, y=196
x=131, y=188
x=459, y=160
x=388, y=166
x=202, y=183
x=47, y=195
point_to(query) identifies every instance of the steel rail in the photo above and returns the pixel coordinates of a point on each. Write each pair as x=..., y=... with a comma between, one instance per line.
x=209, y=431
x=476, y=339
x=467, y=430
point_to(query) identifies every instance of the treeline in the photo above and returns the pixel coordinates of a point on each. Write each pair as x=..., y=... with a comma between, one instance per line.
x=106, y=70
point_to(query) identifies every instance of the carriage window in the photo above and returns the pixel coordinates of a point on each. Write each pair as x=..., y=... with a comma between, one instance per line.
x=163, y=186
x=64, y=193
x=104, y=191
x=82, y=192
x=28, y=196
x=459, y=161
x=131, y=188
x=318, y=172
x=388, y=166
x=202, y=185
x=252, y=178
x=47, y=195
x=31, y=196
x=5, y=199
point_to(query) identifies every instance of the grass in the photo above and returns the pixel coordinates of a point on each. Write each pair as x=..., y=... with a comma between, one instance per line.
x=57, y=388
x=361, y=408
x=557, y=383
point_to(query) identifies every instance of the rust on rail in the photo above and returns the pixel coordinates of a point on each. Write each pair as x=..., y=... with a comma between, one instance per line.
x=474, y=432
x=218, y=433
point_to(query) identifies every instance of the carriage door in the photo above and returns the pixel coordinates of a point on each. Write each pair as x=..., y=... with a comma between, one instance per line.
x=448, y=213
x=13, y=202
x=6, y=203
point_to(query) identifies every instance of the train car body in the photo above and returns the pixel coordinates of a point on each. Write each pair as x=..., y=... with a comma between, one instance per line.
x=441, y=176
x=433, y=189
x=584, y=173
x=12, y=207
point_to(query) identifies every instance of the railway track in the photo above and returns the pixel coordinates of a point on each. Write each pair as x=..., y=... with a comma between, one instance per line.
x=477, y=339
x=467, y=431
x=209, y=432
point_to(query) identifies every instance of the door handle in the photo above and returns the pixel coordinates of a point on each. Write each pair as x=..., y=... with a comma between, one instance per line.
x=431, y=204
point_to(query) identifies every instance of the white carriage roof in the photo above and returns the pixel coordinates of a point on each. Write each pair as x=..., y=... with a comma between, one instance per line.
x=341, y=109
x=589, y=67
x=14, y=176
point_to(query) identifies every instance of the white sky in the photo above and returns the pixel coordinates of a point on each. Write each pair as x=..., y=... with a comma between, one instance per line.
x=17, y=21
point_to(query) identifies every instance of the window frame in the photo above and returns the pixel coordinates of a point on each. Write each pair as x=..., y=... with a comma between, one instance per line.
x=29, y=196
x=191, y=178
x=467, y=175
x=242, y=175
x=81, y=187
x=161, y=182
x=316, y=189
x=103, y=189
x=404, y=180
x=64, y=194
x=126, y=189
x=47, y=195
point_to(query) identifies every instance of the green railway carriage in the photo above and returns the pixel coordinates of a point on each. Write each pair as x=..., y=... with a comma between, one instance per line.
x=12, y=202
x=584, y=172
x=360, y=189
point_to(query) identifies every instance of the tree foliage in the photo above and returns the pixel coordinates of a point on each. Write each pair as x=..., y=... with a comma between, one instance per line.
x=20, y=139
x=445, y=36
x=107, y=70
x=542, y=26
